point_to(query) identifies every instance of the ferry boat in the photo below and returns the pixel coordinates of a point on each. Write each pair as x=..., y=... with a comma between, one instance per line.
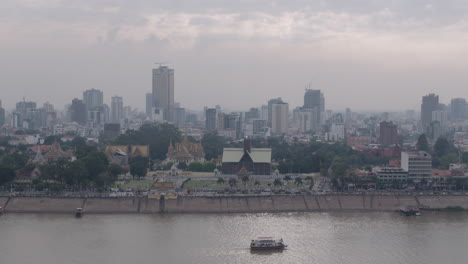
x=79, y=212
x=267, y=243
x=408, y=211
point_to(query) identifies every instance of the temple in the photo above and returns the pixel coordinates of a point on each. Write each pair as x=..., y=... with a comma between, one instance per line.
x=247, y=160
x=185, y=151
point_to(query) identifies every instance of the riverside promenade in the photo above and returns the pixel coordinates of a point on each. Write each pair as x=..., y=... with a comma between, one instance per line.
x=229, y=203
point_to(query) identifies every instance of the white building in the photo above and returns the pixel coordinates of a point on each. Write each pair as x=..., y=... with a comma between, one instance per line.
x=117, y=109
x=418, y=165
x=280, y=114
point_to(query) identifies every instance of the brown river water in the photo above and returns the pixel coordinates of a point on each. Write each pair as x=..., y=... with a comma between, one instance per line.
x=354, y=238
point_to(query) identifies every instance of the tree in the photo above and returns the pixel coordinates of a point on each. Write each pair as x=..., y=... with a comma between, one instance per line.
x=212, y=145
x=277, y=182
x=195, y=166
x=422, y=143
x=209, y=167
x=287, y=178
x=76, y=174
x=232, y=181
x=6, y=174
x=245, y=179
x=182, y=165
x=442, y=147
x=95, y=162
x=50, y=139
x=220, y=180
x=298, y=181
x=156, y=135
x=115, y=170
x=139, y=167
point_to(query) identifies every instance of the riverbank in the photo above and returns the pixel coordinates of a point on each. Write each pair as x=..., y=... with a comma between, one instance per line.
x=229, y=204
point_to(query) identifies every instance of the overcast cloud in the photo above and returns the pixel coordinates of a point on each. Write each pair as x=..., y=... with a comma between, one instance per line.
x=380, y=55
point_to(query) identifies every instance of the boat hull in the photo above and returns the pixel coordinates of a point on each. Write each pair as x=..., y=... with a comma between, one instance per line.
x=268, y=248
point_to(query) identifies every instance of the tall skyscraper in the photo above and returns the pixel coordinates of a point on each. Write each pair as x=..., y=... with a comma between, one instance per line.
x=2, y=114
x=93, y=99
x=458, y=109
x=270, y=111
x=116, y=109
x=211, y=117
x=279, y=120
x=163, y=90
x=149, y=104
x=78, y=112
x=429, y=104
x=314, y=104
x=388, y=133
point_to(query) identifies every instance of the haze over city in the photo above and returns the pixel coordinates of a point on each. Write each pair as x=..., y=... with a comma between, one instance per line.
x=366, y=55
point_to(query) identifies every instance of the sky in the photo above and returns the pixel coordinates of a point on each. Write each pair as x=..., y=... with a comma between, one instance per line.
x=364, y=54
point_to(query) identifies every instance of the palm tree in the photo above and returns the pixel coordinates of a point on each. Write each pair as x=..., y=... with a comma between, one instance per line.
x=232, y=181
x=277, y=182
x=298, y=181
x=245, y=179
x=220, y=180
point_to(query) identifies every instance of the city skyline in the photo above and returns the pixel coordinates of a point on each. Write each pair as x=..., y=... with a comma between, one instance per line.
x=365, y=57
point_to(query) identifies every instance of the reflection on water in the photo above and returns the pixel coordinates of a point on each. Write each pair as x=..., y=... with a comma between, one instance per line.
x=311, y=237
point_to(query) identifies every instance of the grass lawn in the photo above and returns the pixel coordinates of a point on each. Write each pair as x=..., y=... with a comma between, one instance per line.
x=137, y=184
x=264, y=184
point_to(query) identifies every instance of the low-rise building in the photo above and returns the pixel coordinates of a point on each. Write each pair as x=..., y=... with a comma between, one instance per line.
x=392, y=174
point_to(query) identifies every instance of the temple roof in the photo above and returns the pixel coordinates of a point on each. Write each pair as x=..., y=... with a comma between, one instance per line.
x=258, y=155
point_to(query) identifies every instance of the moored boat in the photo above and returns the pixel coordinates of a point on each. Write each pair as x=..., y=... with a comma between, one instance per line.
x=79, y=212
x=267, y=243
x=408, y=211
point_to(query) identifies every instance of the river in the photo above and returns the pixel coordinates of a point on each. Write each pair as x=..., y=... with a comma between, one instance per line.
x=352, y=238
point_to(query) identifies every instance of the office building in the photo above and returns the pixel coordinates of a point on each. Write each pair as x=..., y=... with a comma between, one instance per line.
x=270, y=111
x=117, y=109
x=279, y=118
x=78, y=111
x=418, y=165
x=429, y=104
x=458, y=109
x=2, y=114
x=388, y=134
x=93, y=99
x=210, y=121
x=163, y=90
x=149, y=104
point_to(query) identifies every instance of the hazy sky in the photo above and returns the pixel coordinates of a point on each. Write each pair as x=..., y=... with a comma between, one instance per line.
x=375, y=54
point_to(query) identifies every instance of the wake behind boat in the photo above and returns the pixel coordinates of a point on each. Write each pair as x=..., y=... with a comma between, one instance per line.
x=267, y=243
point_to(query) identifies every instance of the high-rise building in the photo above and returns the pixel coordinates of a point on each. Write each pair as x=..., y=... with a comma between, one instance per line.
x=211, y=116
x=93, y=99
x=279, y=118
x=149, y=104
x=314, y=100
x=179, y=116
x=163, y=90
x=270, y=105
x=116, y=109
x=78, y=111
x=458, y=109
x=429, y=104
x=2, y=114
x=388, y=133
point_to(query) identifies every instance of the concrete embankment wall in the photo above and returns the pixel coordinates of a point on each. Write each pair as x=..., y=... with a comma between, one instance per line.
x=229, y=204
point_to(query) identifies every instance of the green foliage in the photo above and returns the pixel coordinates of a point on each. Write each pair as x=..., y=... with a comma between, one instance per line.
x=212, y=145
x=443, y=147
x=465, y=157
x=195, y=166
x=138, y=167
x=245, y=179
x=96, y=163
x=6, y=174
x=422, y=144
x=182, y=165
x=209, y=166
x=232, y=181
x=16, y=161
x=298, y=181
x=277, y=182
x=220, y=181
x=287, y=178
x=157, y=136
x=455, y=208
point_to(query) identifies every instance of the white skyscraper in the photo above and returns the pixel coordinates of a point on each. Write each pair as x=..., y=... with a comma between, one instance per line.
x=116, y=109
x=163, y=89
x=279, y=120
